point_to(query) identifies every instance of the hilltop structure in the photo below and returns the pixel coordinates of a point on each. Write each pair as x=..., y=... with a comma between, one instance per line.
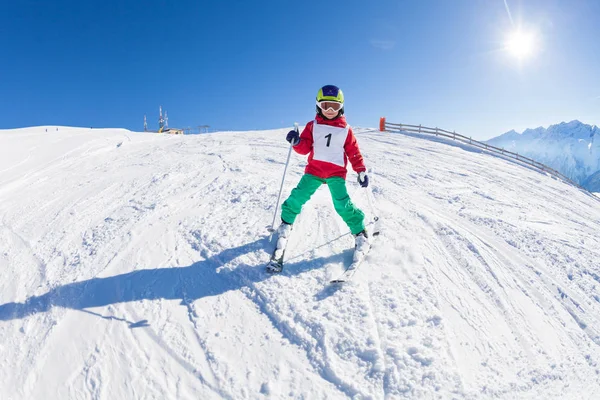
x=163, y=124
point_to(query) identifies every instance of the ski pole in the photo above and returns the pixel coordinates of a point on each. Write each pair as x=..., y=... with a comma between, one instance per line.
x=369, y=195
x=370, y=200
x=272, y=229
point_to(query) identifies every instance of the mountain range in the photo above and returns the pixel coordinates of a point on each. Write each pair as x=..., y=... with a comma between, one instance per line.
x=572, y=148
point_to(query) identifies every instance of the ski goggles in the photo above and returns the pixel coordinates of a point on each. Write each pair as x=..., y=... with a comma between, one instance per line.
x=326, y=105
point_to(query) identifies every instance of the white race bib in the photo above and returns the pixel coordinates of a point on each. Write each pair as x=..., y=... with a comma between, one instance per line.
x=328, y=143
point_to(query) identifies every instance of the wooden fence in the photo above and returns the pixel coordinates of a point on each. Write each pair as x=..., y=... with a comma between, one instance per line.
x=391, y=127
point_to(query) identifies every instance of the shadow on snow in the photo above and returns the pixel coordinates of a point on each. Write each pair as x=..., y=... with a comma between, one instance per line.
x=199, y=280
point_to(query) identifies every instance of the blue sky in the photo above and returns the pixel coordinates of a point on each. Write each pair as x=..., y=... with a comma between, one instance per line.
x=245, y=65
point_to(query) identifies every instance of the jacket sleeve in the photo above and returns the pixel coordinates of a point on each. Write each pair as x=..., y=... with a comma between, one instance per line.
x=306, y=140
x=353, y=153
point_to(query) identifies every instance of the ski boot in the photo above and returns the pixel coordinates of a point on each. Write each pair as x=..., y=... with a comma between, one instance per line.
x=283, y=233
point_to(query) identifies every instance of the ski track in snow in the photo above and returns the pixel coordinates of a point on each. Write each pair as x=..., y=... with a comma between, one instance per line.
x=133, y=267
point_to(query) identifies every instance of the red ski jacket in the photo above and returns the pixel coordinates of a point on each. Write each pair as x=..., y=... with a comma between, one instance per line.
x=350, y=151
x=324, y=169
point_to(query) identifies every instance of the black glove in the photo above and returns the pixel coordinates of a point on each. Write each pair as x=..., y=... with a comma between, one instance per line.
x=363, y=179
x=293, y=137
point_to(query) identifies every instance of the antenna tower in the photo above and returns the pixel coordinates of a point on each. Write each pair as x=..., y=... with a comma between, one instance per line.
x=161, y=121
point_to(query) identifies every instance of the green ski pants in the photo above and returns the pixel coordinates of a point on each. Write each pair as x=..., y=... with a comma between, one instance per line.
x=308, y=185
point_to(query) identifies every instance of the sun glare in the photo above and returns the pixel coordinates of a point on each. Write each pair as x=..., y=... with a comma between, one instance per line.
x=521, y=44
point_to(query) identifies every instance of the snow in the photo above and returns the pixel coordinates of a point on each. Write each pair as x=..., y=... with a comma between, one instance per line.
x=132, y=266
x=568, y=147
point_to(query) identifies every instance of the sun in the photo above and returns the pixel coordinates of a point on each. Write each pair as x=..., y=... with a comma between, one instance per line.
x=521, y=44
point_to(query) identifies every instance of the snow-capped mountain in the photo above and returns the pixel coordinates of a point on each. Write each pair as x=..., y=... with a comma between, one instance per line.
x=572, y=148
x=592, y=183
x=132, y=267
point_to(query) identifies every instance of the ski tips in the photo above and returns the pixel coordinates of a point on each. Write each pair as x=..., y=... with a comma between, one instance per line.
x=274, y=268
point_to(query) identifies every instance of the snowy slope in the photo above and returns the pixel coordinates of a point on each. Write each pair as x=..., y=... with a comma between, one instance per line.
x=131, y=266
x=572, y=148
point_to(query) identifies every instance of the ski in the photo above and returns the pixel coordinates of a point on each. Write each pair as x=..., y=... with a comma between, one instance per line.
x=347, y=275
x=357, y=260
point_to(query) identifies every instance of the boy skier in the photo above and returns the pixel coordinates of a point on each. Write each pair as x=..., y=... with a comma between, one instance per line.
x=329, y=143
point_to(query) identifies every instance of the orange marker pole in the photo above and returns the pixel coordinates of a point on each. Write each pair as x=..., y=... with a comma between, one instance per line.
x=382, y=124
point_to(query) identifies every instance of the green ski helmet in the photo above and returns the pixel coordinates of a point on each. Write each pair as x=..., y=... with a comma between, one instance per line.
x=330, y=93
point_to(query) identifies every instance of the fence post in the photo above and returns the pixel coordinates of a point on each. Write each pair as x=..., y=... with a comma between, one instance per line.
x=453, y=135
x=382, y=124
x=470, y=140
x=436, y=131
x=419, y=128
